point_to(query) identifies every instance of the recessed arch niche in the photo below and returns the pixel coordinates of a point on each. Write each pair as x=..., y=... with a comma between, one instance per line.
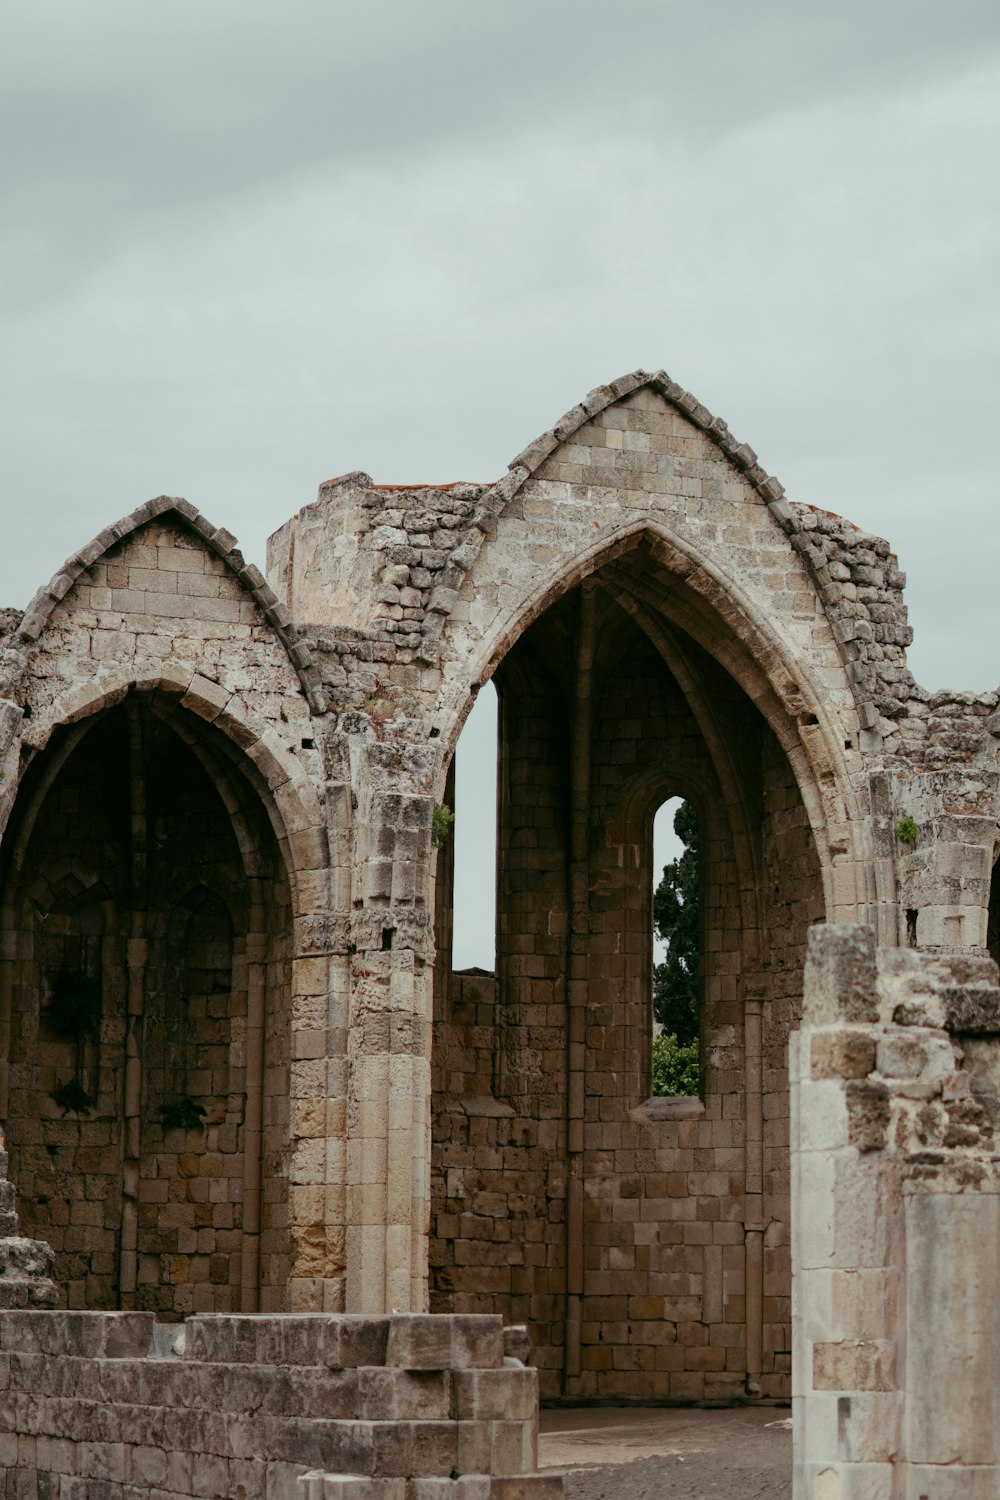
x=644, y=1241
x=144, y=1015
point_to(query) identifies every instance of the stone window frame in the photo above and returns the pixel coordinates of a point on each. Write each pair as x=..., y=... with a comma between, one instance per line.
x=640, y=804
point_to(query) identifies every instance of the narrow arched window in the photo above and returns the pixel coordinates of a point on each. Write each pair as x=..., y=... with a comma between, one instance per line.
x=676, y=949
x=475, y=889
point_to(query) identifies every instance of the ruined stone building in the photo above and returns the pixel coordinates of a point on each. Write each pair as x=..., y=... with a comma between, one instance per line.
x=236, y=1069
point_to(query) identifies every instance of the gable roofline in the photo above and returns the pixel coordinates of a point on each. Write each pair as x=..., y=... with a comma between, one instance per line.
x=740, y=455
x=218, y=541
x=744, y=461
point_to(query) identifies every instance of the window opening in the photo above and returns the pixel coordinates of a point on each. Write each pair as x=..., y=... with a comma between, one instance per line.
x=676, y=982
x=473, y=943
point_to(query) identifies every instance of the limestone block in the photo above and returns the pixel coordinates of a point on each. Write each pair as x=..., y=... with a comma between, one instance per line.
x=822, y=1116
x=414, y=1447
x=868, y=1219
x=419, y=1342
x=841, y=1054
x=465, y=1487
x=864, y=1303
x=854, y=1365
x=527, y=1487
x=903, y=1054
x=841, y=976
x=813, y=1179
x=316, y=1485
x=869, y=1426
x=475, y=1448
x=496, y=1395
x=961, y=1482
x=390, y=1393
x=513, y=1448
x=868, y=1113
x=110, y=1335
x=356, y=1340
x=953, y=1328
x=428, y=1342
x=842, y=1481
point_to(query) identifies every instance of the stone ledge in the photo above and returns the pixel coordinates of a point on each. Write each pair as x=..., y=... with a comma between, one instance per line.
x=665, y=1107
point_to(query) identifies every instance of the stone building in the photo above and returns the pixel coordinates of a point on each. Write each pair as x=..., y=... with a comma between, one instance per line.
x=236, y=1069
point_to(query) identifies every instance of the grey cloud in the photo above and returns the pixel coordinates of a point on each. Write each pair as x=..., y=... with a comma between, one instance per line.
x=120, y=115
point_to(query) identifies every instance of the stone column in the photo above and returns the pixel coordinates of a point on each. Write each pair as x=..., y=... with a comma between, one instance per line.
x=847, y=1241
x=896, y=1224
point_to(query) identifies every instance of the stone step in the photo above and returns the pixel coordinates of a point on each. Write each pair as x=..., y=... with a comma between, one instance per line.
x=408, y=1341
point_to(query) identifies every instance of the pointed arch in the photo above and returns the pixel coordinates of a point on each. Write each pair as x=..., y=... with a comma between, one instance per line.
x=218, y=541
x=688, y=587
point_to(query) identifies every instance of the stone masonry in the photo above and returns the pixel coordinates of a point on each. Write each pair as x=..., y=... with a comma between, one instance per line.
x=896, y=1223
x=237, y=1070
x=112, y=1406
x=25, y=1265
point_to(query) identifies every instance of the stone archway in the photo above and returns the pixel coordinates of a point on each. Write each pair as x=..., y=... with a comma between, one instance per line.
x=144, y=1014
x=644, y=1240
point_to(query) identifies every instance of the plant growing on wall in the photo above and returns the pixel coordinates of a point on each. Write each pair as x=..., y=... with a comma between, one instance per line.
x=73, y=1011
x=677, y=921
x=441, y=820
x=676, y=987
x=182, y=1114
x=906, y=832
x=675, y=1066
x=72, y=1097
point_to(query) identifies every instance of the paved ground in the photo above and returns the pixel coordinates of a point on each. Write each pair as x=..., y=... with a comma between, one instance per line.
x=669, y=1453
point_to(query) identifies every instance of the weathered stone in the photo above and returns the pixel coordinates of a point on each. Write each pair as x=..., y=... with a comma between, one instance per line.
x=223, y=810
x=895, y=1237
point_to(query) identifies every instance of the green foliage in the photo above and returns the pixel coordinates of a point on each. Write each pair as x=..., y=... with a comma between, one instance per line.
x=677, y=921
x=74, y=1007
x=182, y=1114
x=675, y=1066
x=441, y=820
x=72, y=1097
x=906, y=832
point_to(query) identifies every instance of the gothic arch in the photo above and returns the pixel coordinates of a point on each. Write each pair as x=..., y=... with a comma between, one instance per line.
x=632, y=636
x=218, y=540
x=703, y=602
x=147, y=749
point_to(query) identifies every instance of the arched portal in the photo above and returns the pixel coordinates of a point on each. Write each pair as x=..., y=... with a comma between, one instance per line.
x=644, y=1240
x=144, y=1015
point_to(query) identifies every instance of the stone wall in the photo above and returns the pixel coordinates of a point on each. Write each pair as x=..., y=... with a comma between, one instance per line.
x=896, y=1201
x=108, y=1406
x=168, y=850
x=659, y=619
x=131, y=876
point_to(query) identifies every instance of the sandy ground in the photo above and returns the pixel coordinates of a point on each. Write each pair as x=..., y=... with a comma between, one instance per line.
x=669, y=1453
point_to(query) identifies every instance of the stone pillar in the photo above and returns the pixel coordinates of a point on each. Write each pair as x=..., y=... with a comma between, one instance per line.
x=895, y=1078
